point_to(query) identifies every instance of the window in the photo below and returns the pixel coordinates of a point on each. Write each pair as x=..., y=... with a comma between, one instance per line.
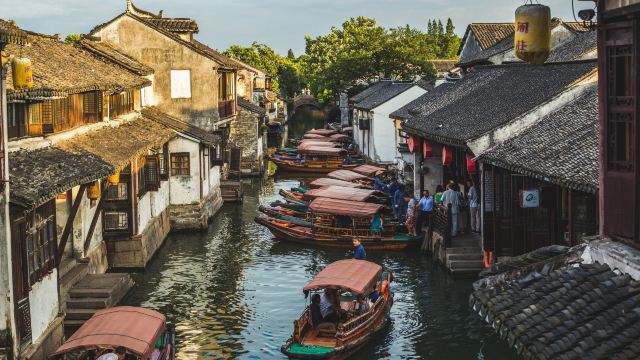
x=118, y=192
x=16, y=121
x=91, y=103
x=216, y=156
x=35, y=119
x=180, y=165
x=120, y=104
x=152, y=173
x=41, y=242
x=116, y=221
x=180, y=84
x=142, y=185
x=163, y=158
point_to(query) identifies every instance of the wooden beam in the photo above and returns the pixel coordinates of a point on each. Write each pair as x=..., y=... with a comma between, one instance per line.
x=96, y=216
x=69, y=225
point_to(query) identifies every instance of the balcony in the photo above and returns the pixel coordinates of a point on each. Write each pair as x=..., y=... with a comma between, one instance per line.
x=226, y=108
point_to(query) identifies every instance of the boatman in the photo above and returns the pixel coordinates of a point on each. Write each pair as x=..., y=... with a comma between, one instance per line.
x=359, y=253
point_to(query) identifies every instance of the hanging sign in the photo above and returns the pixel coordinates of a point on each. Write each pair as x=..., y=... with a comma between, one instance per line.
x=22, y=73
x=532, y=39
x=530, y=198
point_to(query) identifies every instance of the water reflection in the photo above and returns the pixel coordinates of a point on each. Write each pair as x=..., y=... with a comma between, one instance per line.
x=304, y=119
x=234, y=293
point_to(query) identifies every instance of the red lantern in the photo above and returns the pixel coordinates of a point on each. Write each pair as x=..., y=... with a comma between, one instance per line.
x=471, y=164
x=427, y=149
x=412, y=144
x=447, y=156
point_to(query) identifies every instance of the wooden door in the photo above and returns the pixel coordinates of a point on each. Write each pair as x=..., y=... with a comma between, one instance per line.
x=619, y=106
x=20, y=279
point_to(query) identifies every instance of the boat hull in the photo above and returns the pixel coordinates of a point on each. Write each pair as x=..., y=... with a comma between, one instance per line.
x=307, y=237
x=292, y=167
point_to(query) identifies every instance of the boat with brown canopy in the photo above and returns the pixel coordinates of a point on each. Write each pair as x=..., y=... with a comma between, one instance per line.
x=369, y=170
x=336, y=222
x=123, y=332
x=360, y=292
x=314, y=158
x=322, y=182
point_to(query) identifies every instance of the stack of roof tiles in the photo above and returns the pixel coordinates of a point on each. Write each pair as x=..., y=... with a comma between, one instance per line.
x=488, y=97
x=579, y=311
x=561, y=148
x=62, y=69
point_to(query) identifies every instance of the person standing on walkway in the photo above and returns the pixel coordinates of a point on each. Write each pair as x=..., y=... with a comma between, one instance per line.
x=452, y=197
x=399, y=206
x=412, y=209
x=359, y=253
x=425, y=206
x=474, y=206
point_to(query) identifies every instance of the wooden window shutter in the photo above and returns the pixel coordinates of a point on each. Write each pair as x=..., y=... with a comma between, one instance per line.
x=152, y=173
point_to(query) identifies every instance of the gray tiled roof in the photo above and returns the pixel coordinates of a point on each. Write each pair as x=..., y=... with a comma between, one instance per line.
x=383, y=94
x=488, y=97
x=246, y=104
x=369, y=90
x=561, y=148
x=567, y=312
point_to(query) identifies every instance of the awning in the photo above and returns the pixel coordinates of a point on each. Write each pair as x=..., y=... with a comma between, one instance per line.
x=338, y=137
x=311, y=143
x=316, y=137
x=37, y=176
x=340, y=193
x=344, y=207
x=321, y=150
x=323, y=132
x=356, y=276
x=369, y=170
x=347, y=175
x=119, y=145
x=136, y=329
x=180, y=126
x=322, y=182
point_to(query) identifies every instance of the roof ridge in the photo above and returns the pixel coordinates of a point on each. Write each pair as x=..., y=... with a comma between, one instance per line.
x=523, y=64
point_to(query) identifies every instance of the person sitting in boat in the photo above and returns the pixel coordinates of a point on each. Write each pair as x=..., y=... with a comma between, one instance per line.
x=359, y=253
x=347, y=160
x=328, y=306
x=316, y=313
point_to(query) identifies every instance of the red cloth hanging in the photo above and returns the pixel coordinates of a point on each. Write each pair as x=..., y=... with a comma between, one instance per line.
x=447, y=156
x=412, y=144
x=427, y=149
x=471, y=164
x=487, y=260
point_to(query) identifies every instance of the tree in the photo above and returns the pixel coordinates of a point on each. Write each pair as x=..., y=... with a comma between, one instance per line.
x=73, y=39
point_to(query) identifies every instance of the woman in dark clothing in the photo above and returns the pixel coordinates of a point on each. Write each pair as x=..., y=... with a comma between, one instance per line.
x=316, y=314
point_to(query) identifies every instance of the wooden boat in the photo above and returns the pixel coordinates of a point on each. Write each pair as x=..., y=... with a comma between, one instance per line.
x=337, y=222
x=361, y=318
x=345, y=193
x=369, y=170
x=322, y=182
x=323, y=132
x=140, y=333
x=279, y=213
x=320, y=164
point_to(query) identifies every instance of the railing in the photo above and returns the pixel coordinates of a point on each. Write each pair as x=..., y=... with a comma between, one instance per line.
x=442, y=223
x=226, y=108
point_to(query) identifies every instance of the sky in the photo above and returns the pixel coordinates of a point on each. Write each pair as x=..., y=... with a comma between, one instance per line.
x=281, y=24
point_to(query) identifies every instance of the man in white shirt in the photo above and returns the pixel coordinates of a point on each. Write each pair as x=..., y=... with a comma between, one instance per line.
x=452, y=197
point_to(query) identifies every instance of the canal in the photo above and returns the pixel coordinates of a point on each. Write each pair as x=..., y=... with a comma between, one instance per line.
x=234, y=292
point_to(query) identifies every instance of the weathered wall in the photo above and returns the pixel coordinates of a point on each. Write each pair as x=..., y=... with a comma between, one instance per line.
x=383, y=127
x=43, y=303
x=244, y=85
x=470, y=47
x=244, y=132
x=164, y=54
x=185, y=189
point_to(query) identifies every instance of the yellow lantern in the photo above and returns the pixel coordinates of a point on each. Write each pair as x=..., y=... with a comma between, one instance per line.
x=114, y=179
x=532, y=38
x=22, y=73
x=93, y=191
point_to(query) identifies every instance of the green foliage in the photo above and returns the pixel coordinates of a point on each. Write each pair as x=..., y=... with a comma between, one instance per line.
x=361, y=51
x=73, y=39
x=284, y=71
x=353, y=55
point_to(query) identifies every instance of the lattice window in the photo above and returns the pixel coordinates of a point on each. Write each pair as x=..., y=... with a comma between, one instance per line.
x=180, y=164
x=118, y=192
x=41, y=242
x=152, y=173
x=116, y=221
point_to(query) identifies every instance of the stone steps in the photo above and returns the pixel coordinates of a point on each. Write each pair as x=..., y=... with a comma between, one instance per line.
x=94, y=292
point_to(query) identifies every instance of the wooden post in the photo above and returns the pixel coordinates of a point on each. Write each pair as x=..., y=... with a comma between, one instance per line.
x=69, y=225
x=96, y=216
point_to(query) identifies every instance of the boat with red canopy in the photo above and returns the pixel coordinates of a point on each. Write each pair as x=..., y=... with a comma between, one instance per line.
x=132, y=332
x=322, y=182
x=344, y=193
x=323, y=132
x=314, y=158
x=336, y=222
x=360, y=290
x=369, y=170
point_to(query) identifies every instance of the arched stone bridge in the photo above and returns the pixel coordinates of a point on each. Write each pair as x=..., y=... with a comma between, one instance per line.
x=305, y=100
